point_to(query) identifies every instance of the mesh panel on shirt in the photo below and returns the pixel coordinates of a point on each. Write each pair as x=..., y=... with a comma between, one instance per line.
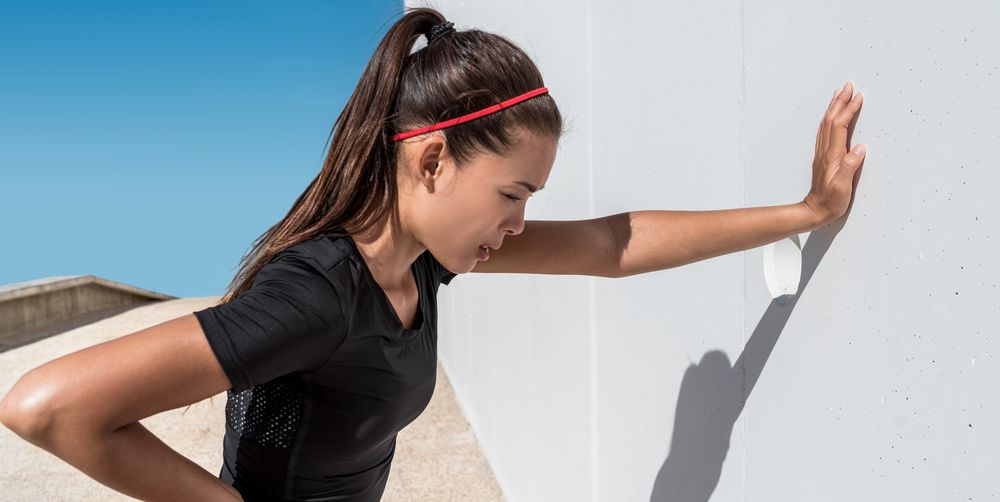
x=267, y=414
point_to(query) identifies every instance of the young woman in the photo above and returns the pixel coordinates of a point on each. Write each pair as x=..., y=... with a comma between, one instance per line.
x=326, y=338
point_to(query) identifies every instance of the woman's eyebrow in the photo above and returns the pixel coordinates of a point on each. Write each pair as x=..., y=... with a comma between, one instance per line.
x=529, y=186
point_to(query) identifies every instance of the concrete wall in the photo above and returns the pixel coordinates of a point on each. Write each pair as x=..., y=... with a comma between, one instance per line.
x=877, y=381
x=35, y=309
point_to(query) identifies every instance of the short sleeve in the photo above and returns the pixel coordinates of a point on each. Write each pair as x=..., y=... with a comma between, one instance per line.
x=290, y=320
x=442, y=274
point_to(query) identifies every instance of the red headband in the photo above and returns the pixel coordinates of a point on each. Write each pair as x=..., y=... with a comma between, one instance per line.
x=472, y=116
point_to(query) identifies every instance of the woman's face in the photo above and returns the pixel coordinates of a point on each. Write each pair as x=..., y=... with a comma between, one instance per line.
x=453, y=211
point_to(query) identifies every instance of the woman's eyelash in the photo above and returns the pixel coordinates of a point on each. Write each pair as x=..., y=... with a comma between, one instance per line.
x=510, y=196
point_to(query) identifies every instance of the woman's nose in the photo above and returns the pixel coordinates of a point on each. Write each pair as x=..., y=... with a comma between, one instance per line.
x=515, y=225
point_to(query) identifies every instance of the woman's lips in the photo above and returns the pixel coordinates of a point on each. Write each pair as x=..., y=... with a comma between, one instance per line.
x=484, y=253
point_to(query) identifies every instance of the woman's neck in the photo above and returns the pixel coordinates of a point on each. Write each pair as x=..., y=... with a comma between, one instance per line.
x=388, y=255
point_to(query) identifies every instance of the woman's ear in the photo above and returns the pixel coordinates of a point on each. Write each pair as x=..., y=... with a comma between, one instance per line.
x=429, y=165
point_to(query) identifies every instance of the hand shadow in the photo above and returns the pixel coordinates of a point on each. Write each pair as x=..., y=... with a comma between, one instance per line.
x=713, y=393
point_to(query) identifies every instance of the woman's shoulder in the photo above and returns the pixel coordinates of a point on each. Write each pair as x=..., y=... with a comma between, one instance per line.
x=326, y=250
x=312, y=270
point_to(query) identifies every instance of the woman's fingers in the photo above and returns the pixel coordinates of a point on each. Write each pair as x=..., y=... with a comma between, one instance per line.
x=831, y=112
x=838, y=137
x=820, y=132
x=834, y=100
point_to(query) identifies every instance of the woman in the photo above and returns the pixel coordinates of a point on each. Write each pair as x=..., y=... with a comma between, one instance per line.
x=326, y=339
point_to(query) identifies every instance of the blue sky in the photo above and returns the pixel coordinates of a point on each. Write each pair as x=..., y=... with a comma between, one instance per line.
x=152, y=143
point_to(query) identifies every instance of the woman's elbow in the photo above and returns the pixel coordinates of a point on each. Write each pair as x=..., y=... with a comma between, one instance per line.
x=27, y=408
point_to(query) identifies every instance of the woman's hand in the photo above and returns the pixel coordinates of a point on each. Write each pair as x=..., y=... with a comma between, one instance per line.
x=834, y=167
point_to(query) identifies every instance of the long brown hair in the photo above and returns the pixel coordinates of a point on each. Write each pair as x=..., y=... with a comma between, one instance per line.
x=401, y=89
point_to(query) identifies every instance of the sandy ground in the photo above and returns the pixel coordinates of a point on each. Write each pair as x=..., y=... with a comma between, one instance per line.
x=437, y=456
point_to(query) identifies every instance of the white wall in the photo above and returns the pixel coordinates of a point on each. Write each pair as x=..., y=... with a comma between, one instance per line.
x=878, y=381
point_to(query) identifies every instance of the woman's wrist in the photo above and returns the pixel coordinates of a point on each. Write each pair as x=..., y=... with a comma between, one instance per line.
x=813, y=216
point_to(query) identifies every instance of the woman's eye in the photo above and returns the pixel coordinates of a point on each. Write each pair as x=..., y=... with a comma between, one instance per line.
x=511, y=197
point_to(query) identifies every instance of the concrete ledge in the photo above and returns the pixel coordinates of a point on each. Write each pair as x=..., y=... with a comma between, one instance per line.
x=36, y=309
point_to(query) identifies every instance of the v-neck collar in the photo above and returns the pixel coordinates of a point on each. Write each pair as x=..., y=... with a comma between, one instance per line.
x=421, y=319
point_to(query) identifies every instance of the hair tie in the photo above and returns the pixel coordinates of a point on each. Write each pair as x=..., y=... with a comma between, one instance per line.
x=438, y=30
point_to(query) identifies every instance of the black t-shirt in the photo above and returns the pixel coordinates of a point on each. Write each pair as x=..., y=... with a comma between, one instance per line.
x=324, y=373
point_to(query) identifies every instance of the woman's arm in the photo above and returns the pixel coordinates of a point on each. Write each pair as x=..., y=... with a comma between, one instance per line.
x=636, y=242
x=644, y=241
x=135, y=462
x=657, y=240
x=85, y=408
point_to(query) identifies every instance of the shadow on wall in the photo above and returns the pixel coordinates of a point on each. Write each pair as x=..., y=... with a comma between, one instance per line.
x=713, y=393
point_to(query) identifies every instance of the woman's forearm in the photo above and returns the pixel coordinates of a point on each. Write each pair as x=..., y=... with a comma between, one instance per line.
x=133, y=461
x=657, y=240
